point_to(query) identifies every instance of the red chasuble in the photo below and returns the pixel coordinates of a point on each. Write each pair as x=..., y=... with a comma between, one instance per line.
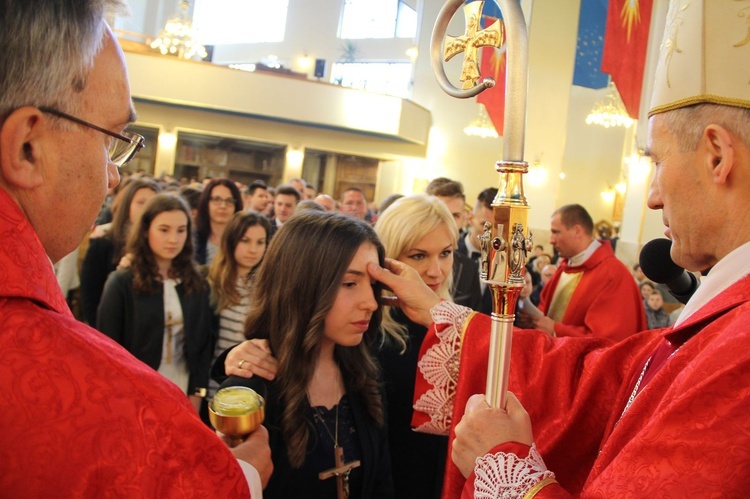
x=684, y=435
x=606, y=302
x=80, y=416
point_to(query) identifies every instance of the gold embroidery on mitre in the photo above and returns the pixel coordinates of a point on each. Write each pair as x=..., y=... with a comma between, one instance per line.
x=700, y=99
x=674, y=22
x=743, y=12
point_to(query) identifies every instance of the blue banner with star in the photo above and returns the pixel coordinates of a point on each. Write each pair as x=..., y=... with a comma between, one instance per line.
x=592, y=23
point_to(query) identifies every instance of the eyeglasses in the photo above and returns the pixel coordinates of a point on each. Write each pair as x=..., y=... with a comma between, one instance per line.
x=121, y=150
x=219, y=200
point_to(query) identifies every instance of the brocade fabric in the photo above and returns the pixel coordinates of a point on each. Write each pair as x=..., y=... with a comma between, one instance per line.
x=684, y=434
x=81, y=417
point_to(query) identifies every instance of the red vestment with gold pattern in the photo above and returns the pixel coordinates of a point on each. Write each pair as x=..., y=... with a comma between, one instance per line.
x=684, y=435
x=81, y=417
x=606, y=302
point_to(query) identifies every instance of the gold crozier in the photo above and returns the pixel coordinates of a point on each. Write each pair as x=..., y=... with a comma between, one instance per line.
x=469, y=43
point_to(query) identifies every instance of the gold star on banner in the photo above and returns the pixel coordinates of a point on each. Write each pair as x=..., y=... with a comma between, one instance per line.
x=631, y=15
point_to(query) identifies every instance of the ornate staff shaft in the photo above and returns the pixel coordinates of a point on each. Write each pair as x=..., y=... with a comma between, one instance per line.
x=506, y=241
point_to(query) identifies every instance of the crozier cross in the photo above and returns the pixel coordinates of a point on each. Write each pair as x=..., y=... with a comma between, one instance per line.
x=471, y=40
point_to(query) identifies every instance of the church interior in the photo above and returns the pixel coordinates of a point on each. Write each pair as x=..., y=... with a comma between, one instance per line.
x=316, y=90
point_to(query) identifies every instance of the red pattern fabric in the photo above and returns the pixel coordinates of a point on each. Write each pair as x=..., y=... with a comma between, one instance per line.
x=81, y=417
x=606, y=302
x=493, y=64
x=685, y=435
x=625, y=45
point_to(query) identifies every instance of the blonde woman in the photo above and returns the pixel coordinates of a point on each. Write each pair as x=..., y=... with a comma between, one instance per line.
x=419, y=231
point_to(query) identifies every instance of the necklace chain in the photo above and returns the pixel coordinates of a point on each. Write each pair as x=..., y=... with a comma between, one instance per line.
x=638, y=384
x=336, y=425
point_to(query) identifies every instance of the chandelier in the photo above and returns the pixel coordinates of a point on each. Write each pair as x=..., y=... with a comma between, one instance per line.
x=610, y=112
x=481, y=126
x=177, y=37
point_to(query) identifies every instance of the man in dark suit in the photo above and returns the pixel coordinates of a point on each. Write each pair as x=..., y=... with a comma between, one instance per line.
x=284, y=204
x=469, y=245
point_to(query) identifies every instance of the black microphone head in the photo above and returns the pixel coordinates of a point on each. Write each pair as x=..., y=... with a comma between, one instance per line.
x=656, y=262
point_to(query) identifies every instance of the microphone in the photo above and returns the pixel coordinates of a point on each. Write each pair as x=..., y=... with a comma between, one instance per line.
x=658, y=266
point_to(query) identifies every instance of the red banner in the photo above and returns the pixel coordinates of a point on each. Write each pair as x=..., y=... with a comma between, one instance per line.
x=625, y=44
x=493, y=64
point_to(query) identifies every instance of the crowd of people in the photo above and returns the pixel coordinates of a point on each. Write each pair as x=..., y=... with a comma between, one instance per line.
x=358, y=325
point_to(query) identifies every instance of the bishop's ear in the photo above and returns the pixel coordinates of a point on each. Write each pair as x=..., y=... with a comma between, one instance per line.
x=23, y=136
x=717, y=148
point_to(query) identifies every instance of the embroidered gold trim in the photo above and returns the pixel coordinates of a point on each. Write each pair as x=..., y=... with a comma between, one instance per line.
x=700, y=99
x=533, y=491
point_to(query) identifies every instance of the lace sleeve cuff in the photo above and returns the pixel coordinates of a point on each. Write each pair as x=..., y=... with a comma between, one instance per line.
x=438, y=368
x=506, y=475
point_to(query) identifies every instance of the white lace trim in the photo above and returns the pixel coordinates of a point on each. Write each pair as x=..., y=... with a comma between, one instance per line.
x=507, y=475
x=439, y=366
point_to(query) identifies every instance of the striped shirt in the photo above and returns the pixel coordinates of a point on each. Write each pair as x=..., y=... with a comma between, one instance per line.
x=231, y=326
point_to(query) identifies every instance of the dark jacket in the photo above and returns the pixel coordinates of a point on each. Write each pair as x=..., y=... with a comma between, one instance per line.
x=97, y=265
x=485, y=305
x=418, y=459
x=374, y=480
x=466, y=290
x=136, y=321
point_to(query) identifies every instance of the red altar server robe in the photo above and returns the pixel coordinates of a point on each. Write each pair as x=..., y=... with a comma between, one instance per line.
x=80, y=416
x=606, y=301
x=685, y=434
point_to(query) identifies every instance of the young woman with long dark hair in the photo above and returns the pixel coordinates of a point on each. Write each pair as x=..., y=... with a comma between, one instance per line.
x=104, y=252
x=315, y=303
x=158, y=308
x=243, y=245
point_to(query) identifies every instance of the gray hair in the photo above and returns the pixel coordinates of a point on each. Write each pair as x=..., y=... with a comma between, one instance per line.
x=688, y=123
x=49, y=48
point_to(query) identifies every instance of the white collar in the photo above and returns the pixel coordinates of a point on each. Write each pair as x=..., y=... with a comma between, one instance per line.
x=728, y=271
x=580, y=258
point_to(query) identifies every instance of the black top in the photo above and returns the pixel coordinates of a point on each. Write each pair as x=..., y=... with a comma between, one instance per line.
x=136, y=321
x=97, y=265
x=466, y=290
x=418, y=459
x=360, y=437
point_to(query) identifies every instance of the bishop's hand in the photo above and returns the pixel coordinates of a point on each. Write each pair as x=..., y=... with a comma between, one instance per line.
x=483, y=428
x=412, y=295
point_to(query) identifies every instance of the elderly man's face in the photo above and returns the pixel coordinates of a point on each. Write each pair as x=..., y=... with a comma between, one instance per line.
x=326, y=202
x=77, y=169
x=680, y=189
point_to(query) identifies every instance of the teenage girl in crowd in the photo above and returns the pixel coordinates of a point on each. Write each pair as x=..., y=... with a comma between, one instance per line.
x=158, y=308
x=315, y=303
x=104, y=252
x=419, y=231
x=242, y=248
x=219, y=201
